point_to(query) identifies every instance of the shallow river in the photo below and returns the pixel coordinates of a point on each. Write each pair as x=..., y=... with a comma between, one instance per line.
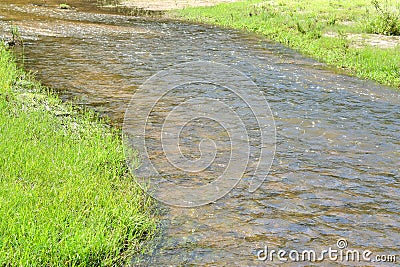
x=335, y=174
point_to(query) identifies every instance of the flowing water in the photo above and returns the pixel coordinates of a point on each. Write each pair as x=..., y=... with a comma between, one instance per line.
x=336, y=168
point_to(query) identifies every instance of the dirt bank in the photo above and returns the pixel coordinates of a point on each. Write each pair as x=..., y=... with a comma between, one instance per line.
x=171, y=4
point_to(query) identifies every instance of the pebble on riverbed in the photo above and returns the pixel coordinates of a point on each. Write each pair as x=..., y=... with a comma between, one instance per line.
x=14, y=43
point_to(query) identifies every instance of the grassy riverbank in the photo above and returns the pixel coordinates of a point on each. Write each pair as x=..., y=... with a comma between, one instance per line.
x=350, y=35
x=66, y=198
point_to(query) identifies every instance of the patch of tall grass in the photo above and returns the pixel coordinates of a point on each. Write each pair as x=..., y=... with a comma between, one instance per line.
x=386, y=20
x=66, y=197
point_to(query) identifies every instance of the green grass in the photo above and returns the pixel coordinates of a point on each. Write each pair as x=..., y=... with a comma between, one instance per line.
x=64, y=6
x=321, y=29
x=66, y=197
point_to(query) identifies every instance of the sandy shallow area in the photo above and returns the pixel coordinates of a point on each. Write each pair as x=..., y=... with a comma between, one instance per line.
x=171, y=4
x=374, y=40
